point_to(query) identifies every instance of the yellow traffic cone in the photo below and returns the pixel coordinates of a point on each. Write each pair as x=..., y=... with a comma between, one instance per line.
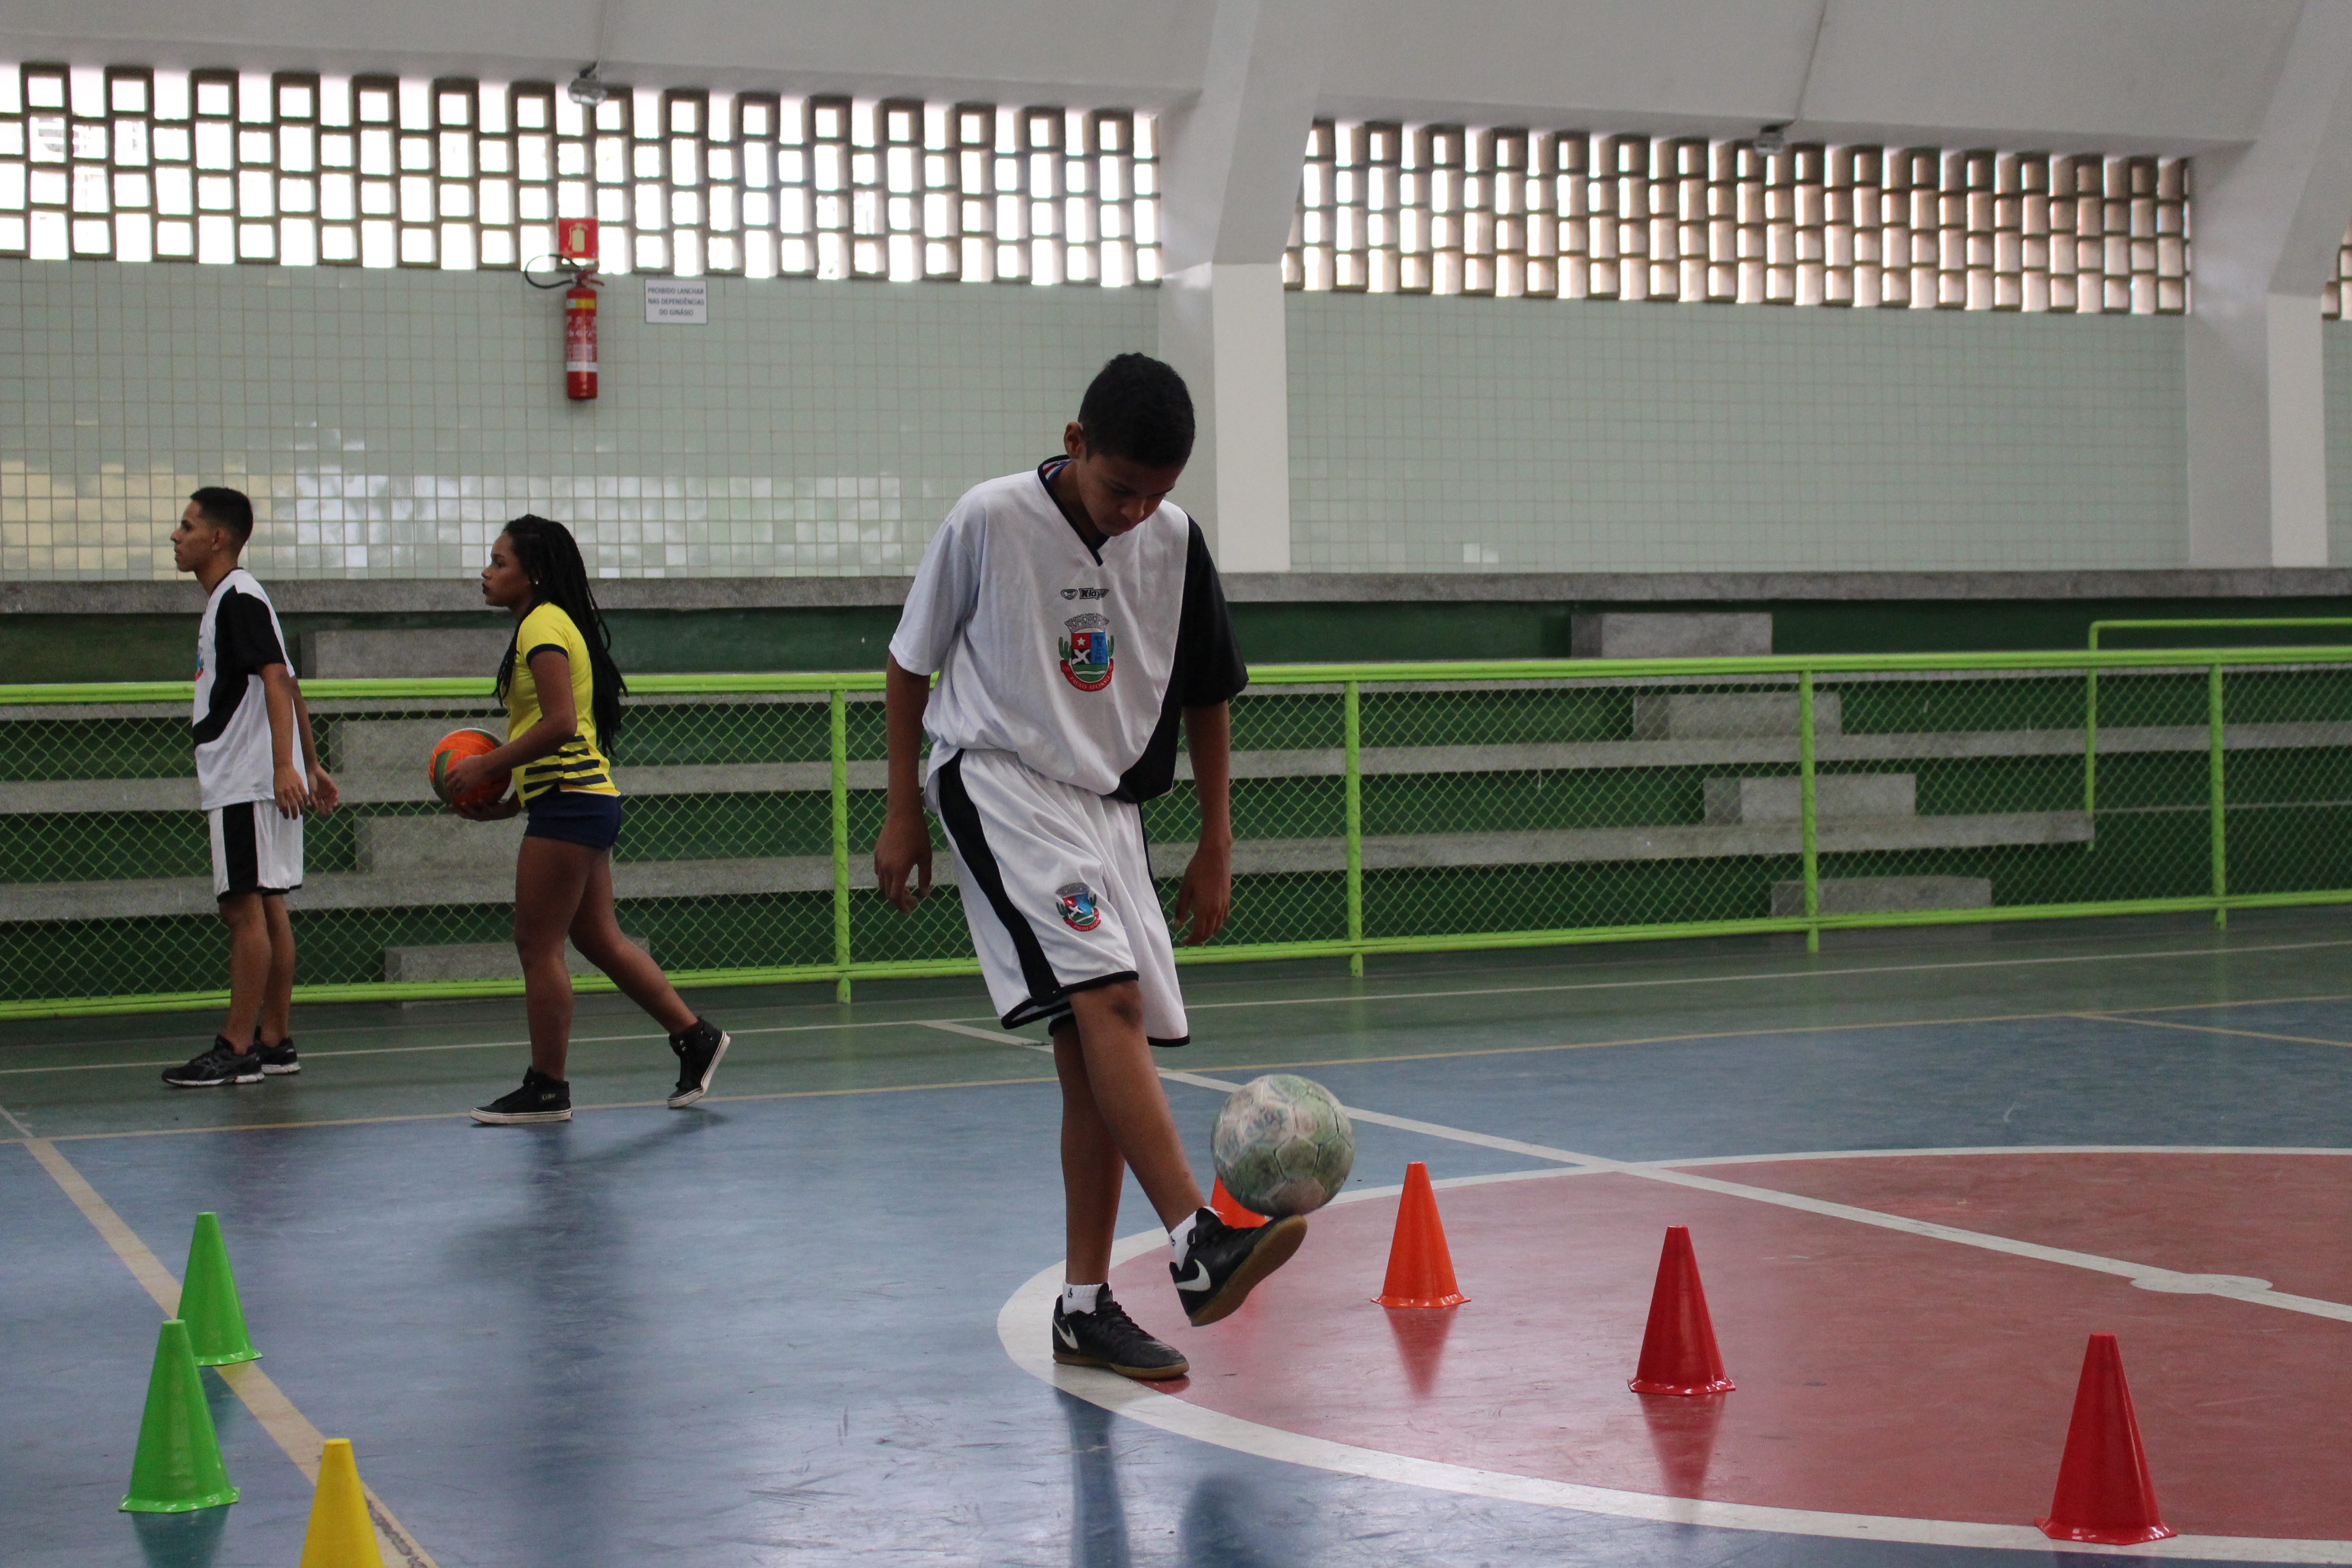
x=340, y=1534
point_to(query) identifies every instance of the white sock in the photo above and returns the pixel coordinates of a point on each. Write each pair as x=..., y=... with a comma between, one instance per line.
x=1080, y=1297
x=1180, y=1236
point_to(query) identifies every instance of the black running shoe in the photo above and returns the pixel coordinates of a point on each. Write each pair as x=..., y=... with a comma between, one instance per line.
x=540, y=1099
x=221, y=1063
x=1109, y=1337
x=699, y=1050
x=277, y=1058
x=1224, y=1265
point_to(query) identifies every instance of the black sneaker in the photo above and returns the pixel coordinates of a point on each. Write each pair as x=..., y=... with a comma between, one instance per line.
x=277, y=1058
x=540, y=1099
x=220, y=1064
x=699, y=1050
x=1109, y=1337
x=1224, y=1265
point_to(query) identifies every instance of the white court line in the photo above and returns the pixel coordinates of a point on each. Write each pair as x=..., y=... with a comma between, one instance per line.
x=1795, y=974
x=2002, y=1149
x=2213, y=1029
x=1396, y=996
x=276, y=1414
x=2145, y=1276
x=993, y=1036
x=1020, y=1329
x=484, y=1044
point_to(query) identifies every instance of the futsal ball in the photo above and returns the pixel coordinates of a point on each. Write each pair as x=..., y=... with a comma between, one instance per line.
x=459, y=743
x=1283, y=1145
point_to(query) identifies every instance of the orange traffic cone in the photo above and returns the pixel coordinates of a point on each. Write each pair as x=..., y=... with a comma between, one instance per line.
x=2105, y=1495
x=1222, y=1204
x=1421, y=1271
x=1678, y=1353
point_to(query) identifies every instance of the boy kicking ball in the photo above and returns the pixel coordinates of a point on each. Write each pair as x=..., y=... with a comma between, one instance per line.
x=1072, y=617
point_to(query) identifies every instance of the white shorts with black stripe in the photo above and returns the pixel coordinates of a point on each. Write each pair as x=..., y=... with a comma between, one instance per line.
x=1057, y=889
x=255, y=850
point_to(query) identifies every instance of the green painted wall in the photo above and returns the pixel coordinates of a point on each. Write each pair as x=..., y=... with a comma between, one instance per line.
x=160, y=648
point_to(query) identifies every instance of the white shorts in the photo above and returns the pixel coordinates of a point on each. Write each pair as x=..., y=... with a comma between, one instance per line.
x=1057, y=889
x=255, y=850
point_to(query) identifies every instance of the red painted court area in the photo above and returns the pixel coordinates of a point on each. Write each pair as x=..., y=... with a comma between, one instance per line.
x=1878, y=1373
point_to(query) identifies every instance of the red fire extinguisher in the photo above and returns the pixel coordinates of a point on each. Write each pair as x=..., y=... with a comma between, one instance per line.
x=580, y=341
x=575, y=245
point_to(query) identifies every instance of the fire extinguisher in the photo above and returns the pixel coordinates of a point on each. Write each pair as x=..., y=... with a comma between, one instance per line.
x=580, y=340
x=575, y=247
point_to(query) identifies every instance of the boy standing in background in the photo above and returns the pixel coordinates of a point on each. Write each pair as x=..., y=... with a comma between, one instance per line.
x=248, y=711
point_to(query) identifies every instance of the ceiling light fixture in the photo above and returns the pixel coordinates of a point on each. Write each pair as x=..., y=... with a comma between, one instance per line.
x=587, y=88
x=1768, y=141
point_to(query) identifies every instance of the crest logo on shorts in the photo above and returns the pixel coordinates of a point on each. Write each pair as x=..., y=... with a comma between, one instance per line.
x=1086, y=652
x=1078, y=905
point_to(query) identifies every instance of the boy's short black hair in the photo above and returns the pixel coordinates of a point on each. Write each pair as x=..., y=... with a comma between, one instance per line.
x=228, y=509
x=1139, y=408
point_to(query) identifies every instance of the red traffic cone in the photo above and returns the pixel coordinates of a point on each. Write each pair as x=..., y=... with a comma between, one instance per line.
x=1222, y=1205
x=1421, y=1271
x=2105, y=1495
x=1678, y=1353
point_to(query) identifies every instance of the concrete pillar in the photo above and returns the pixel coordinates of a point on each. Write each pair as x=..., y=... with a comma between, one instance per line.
x=1221, y=325
x=1230, y=167
x=2268, y=222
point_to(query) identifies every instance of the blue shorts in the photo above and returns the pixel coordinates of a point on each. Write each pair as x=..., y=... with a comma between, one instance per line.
x=576, y=816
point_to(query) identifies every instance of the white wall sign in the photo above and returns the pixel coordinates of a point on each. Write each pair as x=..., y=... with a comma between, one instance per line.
x=678, y=302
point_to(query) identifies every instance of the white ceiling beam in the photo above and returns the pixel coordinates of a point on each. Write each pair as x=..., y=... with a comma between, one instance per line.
x=2126, y=76
x=2130, y=76
x=1229, y=171
x=1102, y=53
x=1230, y=159
x=2055, y=74
x=2269, y=219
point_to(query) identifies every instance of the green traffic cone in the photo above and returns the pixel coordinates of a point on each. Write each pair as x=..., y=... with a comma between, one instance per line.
x=208, y=1303
x=178, y=1466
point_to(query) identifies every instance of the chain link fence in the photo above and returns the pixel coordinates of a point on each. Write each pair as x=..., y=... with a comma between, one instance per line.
x=1376, y=809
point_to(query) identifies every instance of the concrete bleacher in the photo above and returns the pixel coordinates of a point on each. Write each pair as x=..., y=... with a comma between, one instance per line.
x=411, y=861
x=1746, y=741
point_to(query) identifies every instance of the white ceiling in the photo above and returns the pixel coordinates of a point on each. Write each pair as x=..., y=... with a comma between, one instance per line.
x=2115, y=75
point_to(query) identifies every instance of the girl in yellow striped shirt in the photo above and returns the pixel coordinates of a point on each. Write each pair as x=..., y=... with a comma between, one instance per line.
x=563, y=694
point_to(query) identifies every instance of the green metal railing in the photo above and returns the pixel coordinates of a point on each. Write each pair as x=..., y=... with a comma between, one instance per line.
x=2091, y=708
x=1384, y=809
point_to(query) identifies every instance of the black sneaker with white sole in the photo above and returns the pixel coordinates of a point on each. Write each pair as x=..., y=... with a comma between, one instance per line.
x=278, y=1059
x=1108, y=1337
x=220, y=1064
x=699, y=1050
x=1224, y=1265
x=540, y=1099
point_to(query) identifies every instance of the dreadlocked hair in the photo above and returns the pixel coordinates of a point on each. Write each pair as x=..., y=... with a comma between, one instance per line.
x=550, y=556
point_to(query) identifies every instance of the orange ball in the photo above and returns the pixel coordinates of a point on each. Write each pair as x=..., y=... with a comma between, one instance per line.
x=459, y=743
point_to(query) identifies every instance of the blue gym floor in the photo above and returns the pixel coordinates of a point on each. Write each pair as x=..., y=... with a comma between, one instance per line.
x=764, y=1330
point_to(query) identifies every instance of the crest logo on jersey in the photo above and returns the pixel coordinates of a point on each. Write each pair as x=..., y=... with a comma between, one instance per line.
x=1077, y=901
x=1086, y=652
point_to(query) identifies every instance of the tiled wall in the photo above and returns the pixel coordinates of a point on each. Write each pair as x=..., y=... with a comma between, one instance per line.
x=386, y=422
x=1454, y=434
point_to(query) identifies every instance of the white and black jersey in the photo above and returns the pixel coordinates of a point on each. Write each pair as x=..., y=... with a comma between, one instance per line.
x=1075, y=659
x=235, y=641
